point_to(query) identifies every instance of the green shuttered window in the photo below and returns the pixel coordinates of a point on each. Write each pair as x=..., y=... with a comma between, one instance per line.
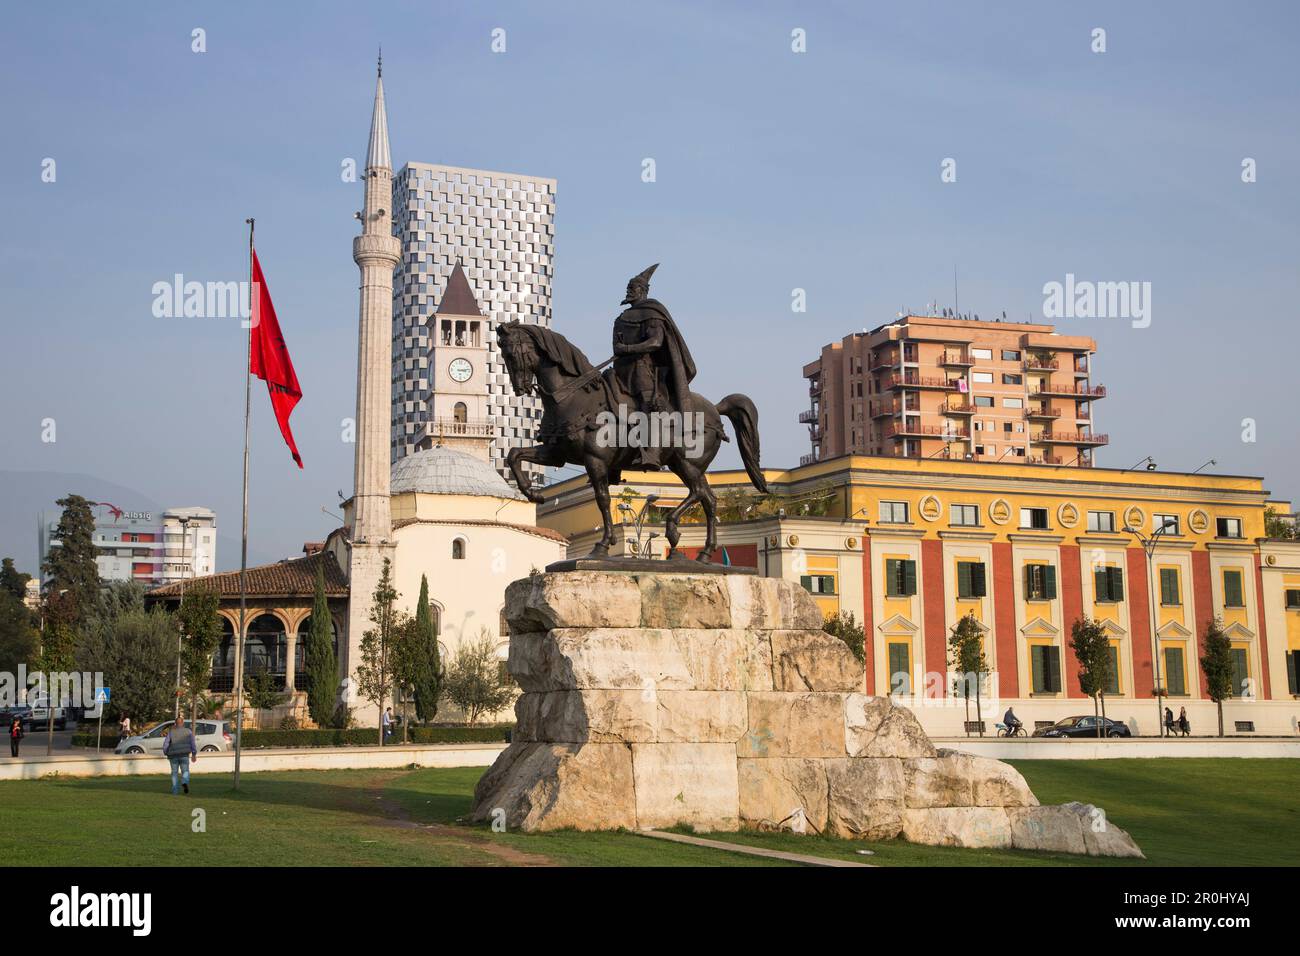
x=900, y=577
x=1175, y=674
x=1046, y=663
x=1040, y=582
x=971, y=579
x=1109, y=584
x=1169, y=594
x=1233, y=595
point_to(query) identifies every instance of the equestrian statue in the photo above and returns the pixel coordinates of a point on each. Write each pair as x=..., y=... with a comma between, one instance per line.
x=638, y=413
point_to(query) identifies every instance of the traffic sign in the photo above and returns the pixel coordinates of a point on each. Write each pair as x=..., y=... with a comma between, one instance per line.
x=102, y=694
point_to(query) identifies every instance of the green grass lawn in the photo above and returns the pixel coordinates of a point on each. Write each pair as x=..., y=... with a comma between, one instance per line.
x=1182, y=812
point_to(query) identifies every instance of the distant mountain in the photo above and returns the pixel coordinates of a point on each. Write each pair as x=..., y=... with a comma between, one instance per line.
x=26, y=495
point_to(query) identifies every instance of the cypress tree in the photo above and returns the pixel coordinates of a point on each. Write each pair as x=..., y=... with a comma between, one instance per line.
x=428, y=675
x=321, y=661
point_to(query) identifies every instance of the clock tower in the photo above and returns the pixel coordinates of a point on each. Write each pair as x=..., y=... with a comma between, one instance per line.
x=458, y=397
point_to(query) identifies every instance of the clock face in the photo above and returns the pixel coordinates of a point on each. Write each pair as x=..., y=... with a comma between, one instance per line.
x=460, y=370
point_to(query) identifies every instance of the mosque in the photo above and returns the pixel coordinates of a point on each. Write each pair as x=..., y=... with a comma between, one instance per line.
x=442, y=512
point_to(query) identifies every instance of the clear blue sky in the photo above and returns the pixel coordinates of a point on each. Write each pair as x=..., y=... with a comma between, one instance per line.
x=775, y=171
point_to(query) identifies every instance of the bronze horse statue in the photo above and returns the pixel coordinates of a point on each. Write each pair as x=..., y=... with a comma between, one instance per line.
x=578, y=402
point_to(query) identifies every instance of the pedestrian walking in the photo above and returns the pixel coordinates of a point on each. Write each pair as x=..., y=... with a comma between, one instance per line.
x=1169, y=722
x=181, y=751
x=15, y=735
x=1184, y=726
x=124, y=727
x=388, y=723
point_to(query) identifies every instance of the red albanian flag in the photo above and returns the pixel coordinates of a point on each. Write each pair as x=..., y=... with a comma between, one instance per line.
x=269, y=359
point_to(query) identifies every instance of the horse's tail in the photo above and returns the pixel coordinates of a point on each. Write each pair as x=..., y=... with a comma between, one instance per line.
x=744, y=419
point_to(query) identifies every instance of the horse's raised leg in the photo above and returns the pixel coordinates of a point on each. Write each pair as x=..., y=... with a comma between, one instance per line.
x=537, y=454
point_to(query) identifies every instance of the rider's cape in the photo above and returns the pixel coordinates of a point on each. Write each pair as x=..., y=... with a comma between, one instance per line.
x=674, y=343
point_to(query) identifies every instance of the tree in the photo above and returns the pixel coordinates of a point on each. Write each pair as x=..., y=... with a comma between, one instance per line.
x=200, y=626
x=475, y=680
x=19, y=638
x=136, y=652
x=1091, y=646
x=1216, y=664
x=1279, y=526
x=260, y=690
x=966, y=656
x=320, y=659
x=13, y=581
x=403, y=659
x=70, y=568
x=844, y=626
x=375, y=671
x=427, y=678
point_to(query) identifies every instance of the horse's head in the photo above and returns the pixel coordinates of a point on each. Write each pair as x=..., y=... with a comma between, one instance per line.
x=520, y=354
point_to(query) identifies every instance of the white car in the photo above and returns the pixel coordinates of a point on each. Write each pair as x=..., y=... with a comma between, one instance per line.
x=210, y=736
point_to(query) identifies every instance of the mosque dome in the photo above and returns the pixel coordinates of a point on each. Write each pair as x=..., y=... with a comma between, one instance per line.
x=446, y=471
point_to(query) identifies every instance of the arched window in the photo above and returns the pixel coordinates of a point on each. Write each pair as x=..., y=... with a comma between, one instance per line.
x=503, y=626
x=458, y=549
x=265, y=646
x=223, y=660
x=459, y=412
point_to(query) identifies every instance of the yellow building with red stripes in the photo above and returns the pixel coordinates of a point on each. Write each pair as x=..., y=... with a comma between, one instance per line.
x=909, y=547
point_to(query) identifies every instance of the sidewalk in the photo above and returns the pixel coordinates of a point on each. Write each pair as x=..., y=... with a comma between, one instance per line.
x=1042, y=748
x=89, y=764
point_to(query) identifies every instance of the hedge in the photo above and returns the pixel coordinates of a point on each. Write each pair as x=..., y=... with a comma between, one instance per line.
x=352, y=737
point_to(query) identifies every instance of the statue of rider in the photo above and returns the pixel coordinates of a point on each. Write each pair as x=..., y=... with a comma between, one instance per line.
x=652, y=365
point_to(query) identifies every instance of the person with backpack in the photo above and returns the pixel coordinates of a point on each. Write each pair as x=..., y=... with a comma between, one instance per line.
x=181, y=751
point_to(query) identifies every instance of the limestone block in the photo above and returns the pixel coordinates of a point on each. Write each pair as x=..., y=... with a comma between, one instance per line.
x=724, y=659
x=572, y=599
x=798, y=609
x=865, y=797
x=877, y=727
x=693, y=784
x=958, y=826
x=540, y=786
x=684, y=600
x=794, y=725
x=1055, y=828
x=774, y=790
x=579, y=658
x=755, y=602
x=1070, y=828
x=631, y=716
x=813, y=660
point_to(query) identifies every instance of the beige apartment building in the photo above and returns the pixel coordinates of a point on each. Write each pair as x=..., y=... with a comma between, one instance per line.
x=929, y=386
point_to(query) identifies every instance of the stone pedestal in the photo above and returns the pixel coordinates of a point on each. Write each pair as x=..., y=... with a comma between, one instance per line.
x=653, y=699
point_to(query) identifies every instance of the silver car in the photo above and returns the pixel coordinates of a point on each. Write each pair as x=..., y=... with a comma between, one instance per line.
x=210, y=736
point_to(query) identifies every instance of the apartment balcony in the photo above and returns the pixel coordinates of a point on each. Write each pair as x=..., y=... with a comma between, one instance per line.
x=1070, y=438
x=920, y=381
x=957, y=408
x=814, y=389
x=899, y=432
x=815, y=432
x=884, y=409
x=1053, y=390
x=954, y=360
x=1081, y=461
x=808, y=416
x=1041, y=365
x=883, y=361
x=1042, y=411
x=809, y=459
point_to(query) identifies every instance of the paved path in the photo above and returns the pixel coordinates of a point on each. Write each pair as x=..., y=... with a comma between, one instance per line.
x=802, y=858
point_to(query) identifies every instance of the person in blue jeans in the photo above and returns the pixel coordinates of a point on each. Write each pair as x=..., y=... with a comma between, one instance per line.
x=180, y=749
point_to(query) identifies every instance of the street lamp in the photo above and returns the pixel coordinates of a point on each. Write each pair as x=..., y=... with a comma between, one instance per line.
x=1149, y=543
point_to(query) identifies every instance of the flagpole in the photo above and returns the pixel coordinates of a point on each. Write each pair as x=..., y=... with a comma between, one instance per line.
x=243, y=547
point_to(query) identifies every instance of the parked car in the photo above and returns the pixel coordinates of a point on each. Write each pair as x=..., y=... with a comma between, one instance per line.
x=39, y=718
x=21, y=711
x=210, y=736
x=1084, y=727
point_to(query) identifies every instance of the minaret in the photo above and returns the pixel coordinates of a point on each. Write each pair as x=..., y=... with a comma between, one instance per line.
x=376, y=252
